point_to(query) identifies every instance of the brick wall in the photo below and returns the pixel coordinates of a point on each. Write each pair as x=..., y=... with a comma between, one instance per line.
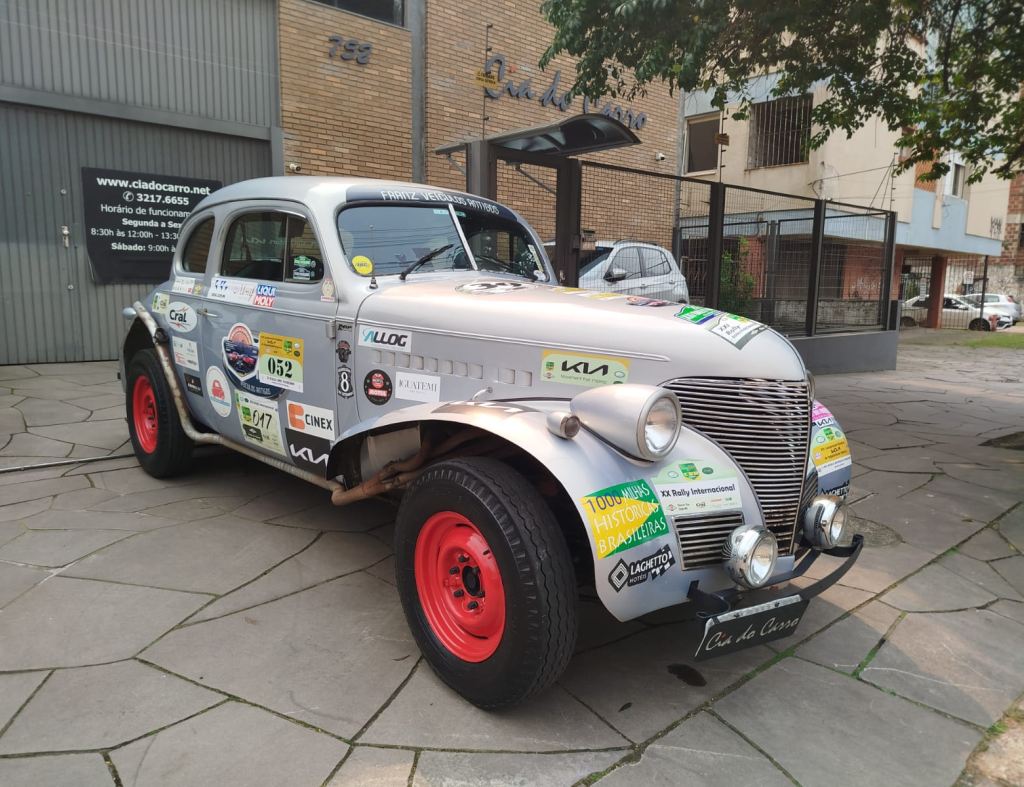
x=340, y=117
x=1013, y=249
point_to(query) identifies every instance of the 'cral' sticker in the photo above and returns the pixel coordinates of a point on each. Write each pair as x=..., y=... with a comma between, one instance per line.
x=623, y=516
x=559, y=366
x=697, y=487
x=280, y=361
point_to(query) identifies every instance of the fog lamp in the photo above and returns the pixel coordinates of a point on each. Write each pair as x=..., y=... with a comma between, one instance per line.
x=824, y=521
x=563, y=424
x=751, y=552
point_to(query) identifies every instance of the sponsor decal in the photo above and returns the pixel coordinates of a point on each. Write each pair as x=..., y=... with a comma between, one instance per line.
x=264, y=296
x=346, y=389
x=640, y=300
x=184, y=285
x=327, y=290
x=161, y=300
x=217, y=391
x=344, y=351
x=362, y=265
x=303, y=268
x=841, y=491
x=280, y=361
x=623, y=516
x=602, y=296
x=186, y=353
x=418, y=387
x=821, y=416
x=697, y=486
x=385, y=339
x=240, y=351
x=733, y=328
x=497, y=409
x=639, y=571
x=181, y=317
x=568, y=290
x=830, y=450
x=314, y=421
x=309, y=453
x=259, y=422
x=193, y=384
x=377, y=387
x=560, y=366
x=232, y=290
x=492, y=287
x=698, y=315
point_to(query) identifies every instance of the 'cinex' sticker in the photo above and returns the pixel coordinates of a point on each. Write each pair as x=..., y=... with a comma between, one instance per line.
x=561, y=366
x=623, y=516
x=697, y=487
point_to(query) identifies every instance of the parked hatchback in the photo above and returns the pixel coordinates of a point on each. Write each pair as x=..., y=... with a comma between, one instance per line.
x=628, y=267
x=1000, y=301
x=956, y=313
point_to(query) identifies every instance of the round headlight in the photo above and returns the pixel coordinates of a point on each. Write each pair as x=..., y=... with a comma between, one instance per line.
x=824, y=521
x=661, y=427
x=751, y=554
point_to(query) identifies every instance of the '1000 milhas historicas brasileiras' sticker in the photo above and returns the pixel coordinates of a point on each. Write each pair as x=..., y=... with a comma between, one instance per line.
x=623, y=516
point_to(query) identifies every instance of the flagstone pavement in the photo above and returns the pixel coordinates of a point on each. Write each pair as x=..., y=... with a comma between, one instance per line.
x=231, y=627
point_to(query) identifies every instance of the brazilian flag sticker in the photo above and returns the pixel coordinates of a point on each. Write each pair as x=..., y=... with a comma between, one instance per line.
x=624, y=516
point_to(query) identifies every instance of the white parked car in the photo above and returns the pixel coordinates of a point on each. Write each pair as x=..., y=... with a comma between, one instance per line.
x=956, y=313
x=628, y=267
x=999, y=301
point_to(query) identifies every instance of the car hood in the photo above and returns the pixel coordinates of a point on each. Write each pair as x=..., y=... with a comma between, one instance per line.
x=502, y=311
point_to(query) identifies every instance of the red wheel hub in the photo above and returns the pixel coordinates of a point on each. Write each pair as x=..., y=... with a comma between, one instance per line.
x=459, y=585
x=144, y=416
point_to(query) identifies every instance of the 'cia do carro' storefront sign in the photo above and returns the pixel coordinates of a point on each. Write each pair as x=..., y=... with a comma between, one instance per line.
x=495, y=82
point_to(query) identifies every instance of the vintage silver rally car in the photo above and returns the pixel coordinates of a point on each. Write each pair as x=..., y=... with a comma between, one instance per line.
x=375, y=337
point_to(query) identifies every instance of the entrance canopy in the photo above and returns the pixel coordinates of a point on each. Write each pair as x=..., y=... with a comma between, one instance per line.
x=572, y=137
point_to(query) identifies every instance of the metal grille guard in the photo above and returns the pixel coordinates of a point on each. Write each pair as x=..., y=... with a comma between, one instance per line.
x=722, y=601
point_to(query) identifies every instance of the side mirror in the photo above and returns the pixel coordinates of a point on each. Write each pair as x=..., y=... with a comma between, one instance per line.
x=615, y=274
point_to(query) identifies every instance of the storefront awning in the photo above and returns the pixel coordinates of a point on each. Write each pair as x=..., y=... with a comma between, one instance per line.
x=572, y=137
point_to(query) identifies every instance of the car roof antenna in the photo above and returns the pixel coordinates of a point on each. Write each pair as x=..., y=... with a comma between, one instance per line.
x=373, y=281
x=482, y=393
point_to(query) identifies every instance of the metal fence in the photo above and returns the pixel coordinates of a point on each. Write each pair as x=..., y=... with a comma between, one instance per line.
x=803, y=266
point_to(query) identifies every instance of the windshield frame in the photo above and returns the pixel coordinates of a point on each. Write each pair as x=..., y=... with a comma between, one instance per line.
x=545, y=268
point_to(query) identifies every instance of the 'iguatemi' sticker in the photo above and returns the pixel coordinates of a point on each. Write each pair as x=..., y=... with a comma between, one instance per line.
x=698, y=487
x=623, y=516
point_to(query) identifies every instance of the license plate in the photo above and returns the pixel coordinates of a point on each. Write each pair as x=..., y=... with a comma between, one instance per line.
x=744, y=628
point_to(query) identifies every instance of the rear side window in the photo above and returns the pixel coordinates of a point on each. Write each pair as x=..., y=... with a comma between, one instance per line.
x=272, y=246
x=197, y=247
x=655, y=262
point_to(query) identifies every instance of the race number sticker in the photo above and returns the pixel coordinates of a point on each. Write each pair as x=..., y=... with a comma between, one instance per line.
x=697, y=487
x=186, y=353
x=829, y=450
x=623, y=516
x=259, y=422
x=280, y=361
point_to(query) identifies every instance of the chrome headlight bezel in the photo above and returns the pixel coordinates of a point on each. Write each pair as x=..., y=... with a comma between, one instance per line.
x=824, y=521
x=741, y=552
x=620, y=415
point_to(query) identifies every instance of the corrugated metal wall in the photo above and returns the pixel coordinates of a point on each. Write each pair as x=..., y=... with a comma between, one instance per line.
x=212, y=58
x=41, y=156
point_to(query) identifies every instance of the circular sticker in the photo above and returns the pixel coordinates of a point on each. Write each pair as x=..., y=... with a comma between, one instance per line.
x=181, y=317
x=218, y=392
x=327, y=290
x=489, y=287
x=377, y=387
x=363, y=265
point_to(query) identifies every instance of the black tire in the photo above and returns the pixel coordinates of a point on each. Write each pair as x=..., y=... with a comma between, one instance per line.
x=907, y=322
x=536, y=576
x=979, y=324
x=173, y=449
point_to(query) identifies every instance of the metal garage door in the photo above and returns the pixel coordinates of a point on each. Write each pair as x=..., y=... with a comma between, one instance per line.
x=50, y=307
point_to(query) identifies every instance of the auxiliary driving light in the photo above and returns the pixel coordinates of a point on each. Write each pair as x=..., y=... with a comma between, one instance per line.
x=751, y=552
x=824, y=521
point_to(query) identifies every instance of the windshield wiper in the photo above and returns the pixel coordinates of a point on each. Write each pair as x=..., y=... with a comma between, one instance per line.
x=424, y=259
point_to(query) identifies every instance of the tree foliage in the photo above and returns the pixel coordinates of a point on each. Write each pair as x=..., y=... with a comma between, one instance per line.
x=947, y=75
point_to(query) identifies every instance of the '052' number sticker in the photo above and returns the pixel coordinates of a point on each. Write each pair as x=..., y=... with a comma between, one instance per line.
x=280, y=361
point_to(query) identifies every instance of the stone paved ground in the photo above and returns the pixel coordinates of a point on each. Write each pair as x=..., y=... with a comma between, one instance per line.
x=230, y=627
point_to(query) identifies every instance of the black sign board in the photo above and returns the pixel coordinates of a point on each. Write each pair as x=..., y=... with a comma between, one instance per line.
x=744, y=628
x=132, y=221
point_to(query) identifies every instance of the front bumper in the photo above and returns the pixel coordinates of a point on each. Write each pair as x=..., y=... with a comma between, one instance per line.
x=712, y=606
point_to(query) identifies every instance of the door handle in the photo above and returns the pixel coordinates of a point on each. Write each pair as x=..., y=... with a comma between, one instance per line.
x=206, y=312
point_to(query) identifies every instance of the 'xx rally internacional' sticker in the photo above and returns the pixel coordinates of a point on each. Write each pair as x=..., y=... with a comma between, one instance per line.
x=560, y=366
x=734, y=329
x=259, y=422
x=623, y=516
x=697, y=487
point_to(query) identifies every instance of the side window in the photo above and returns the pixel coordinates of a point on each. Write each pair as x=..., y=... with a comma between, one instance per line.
x=628, y=260
x=197, y=247
x=272, y=246
x=655, y=262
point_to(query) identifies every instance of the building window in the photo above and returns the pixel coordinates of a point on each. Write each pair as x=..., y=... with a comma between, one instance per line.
x=780, y=132
x=391, y=11
x=957, y=176
x=701, y=150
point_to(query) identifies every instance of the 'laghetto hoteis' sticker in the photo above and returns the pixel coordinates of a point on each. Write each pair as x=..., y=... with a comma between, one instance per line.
x=623, y=516
x=698, y=487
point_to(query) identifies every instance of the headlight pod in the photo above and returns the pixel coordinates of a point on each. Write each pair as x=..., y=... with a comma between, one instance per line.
x=824, y=521
x=751, y=552
x=640, y=420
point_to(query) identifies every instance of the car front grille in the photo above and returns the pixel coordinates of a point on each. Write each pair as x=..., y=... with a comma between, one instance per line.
x=702, y=538
x=765, y=426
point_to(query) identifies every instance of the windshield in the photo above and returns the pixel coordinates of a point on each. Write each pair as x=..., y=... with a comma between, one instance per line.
x=386, y=239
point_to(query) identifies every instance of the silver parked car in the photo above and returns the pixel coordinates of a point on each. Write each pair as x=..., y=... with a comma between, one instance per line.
x=957, y=312
x=375, y=337
x=1000, y=301
x=628, y=267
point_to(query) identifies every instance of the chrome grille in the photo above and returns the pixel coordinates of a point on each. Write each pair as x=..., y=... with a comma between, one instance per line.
x=764, y=425
x=702, y=538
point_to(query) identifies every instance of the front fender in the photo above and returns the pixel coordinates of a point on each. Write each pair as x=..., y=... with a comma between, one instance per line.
x=625, y=506
x=829, y=457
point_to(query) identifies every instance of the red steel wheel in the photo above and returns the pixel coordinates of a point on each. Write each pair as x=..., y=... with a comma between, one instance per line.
x=146, y=422
x=459, y=586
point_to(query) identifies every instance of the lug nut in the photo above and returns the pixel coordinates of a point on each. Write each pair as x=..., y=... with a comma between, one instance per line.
x=472, y=605
x=459, y=593
x=463, y=558
x=453, y=570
